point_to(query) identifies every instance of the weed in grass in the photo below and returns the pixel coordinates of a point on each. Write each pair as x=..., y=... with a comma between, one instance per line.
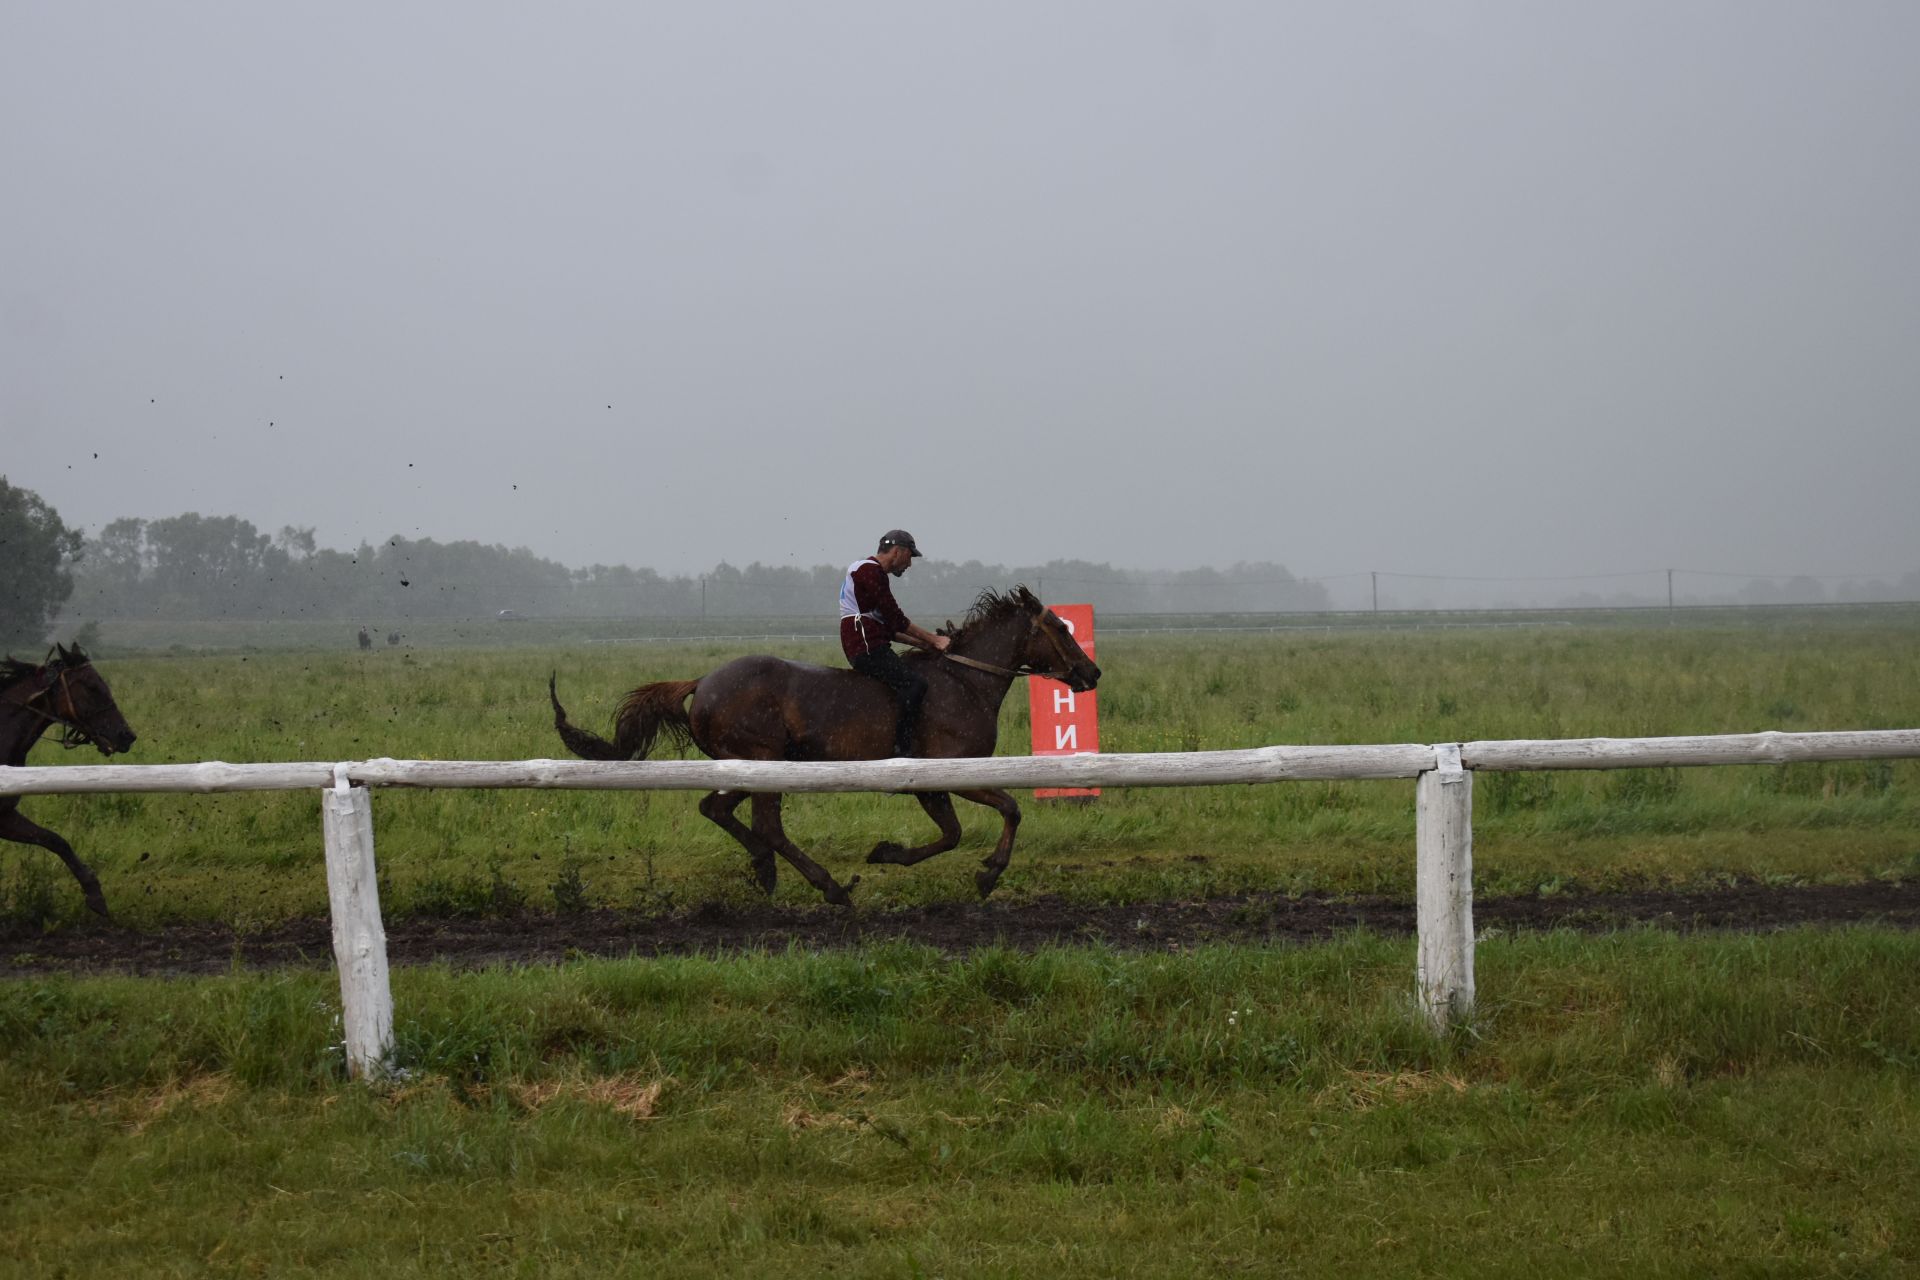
x=29, y=897
x=504, y=896
x=653, y=898
x=570, y=889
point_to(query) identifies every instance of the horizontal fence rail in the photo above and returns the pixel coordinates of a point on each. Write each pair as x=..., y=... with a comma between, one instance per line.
x=1155, y=769
x=1443, y=817
x=1162, y=769
x=1647, y=753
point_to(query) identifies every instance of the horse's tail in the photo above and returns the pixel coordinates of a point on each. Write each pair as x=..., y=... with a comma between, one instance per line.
x=643, y=714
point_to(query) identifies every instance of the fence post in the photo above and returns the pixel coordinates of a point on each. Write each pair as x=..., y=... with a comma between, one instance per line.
x=1443, y=838
x=359, y=937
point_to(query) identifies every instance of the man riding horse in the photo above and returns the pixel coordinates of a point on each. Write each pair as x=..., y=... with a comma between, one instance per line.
x=870, y=622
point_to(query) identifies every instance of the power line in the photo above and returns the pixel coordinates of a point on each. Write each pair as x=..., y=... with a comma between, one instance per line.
x=1831, y=577
x=1523, y=577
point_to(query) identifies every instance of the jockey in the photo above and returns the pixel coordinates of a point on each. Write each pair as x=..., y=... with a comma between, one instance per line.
x=870, y=622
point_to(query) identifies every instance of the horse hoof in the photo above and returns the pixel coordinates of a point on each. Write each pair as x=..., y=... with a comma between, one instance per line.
x=886, y=851
x=98, y=905
x=766, y=877
x=841, y=895
x=985, y=880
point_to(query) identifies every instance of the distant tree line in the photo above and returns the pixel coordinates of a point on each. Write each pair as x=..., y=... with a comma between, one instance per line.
x=195, y=566
x=199, y=567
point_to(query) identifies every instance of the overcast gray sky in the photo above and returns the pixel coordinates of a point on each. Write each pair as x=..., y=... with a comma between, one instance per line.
x=1444, y=288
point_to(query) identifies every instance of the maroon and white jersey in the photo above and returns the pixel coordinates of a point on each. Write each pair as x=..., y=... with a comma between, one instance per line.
x=869, y=618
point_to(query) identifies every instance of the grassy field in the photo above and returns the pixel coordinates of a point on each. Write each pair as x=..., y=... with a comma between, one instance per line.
x=1630, y=1104
x=255, y=857
x=1635, y=1105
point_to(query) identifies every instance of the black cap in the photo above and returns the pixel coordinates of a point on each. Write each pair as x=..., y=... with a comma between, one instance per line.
x=898, y=538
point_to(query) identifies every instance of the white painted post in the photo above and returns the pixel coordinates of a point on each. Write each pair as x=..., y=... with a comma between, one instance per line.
x=359, y=937
x=1443, y=880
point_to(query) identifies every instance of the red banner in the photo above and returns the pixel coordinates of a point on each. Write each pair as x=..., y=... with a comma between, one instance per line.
x=1065, y=723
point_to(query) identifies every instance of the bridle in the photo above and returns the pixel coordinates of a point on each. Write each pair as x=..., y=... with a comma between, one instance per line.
x=1063, y=674
x=72, y=732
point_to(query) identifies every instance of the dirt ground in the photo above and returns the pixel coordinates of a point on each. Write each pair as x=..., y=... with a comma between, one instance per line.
x=532, y=938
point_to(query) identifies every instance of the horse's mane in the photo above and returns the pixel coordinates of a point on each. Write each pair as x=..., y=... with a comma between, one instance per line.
x=13, y=670
x=990, y=606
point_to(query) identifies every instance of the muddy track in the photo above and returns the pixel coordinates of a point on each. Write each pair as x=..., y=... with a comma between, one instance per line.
x=953, y=927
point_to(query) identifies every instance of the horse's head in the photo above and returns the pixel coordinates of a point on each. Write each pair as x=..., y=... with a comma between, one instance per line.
x=77, y=697
x=1050, y=648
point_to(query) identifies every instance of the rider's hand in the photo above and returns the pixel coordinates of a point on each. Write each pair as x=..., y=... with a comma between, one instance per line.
x=940, y=643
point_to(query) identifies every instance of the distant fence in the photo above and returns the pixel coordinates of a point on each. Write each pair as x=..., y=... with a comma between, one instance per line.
x=1443, y=827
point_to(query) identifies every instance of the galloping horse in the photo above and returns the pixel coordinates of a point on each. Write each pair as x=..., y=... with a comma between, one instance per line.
x=66, y=691
x=764, y=708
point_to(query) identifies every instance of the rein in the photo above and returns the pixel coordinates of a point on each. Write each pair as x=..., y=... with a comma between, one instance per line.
x=978, y=665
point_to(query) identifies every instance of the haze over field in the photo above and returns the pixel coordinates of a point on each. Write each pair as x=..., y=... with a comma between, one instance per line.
x=1475, y=290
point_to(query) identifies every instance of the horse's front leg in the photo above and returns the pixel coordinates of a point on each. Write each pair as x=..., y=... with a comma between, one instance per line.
x=995, y=862
x=15, y=826
x=939, y=807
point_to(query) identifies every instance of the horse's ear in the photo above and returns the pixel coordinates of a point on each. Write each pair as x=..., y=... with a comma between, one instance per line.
x=61, y=650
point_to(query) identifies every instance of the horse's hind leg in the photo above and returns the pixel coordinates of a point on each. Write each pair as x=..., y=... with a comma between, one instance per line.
x=766, y=819
x=766, y=825
x=995, y=862
x=939, y=807
x=767, y=837
x=15, y=826
x=718, y=808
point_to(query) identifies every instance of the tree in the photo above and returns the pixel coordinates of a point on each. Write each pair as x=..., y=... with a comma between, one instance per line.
x=37, y=552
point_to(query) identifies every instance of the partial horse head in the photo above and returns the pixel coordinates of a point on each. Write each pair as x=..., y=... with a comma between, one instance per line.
x=64, y=690
x=77, y=698
x=1041, y=642
x=1052, y=649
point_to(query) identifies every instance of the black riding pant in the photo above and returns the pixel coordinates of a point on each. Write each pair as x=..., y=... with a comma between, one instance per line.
x=907, y=684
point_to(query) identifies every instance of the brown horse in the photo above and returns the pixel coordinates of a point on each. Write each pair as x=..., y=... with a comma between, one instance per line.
x=764, y=708
x=67, y=691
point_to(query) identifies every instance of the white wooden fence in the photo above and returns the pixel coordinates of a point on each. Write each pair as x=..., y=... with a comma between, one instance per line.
x=1443, y=824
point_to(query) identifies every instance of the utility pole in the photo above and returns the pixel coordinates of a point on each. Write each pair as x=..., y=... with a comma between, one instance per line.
x=1669, y=597
x=703, y=597
x=1376, y=589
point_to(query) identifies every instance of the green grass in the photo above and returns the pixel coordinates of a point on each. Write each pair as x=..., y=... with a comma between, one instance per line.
x=1633, y=1104
x=1636, y=1105
x=254, y=857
